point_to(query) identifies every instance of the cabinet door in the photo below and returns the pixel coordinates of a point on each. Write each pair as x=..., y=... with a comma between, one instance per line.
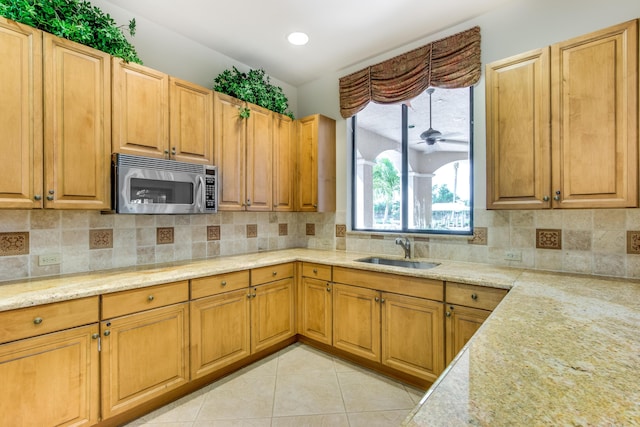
x=317, y=310
x=220, y=331
x=140, y=110
x=259, y=159
x=595, y=119
x=461, y=323
x=272, y=314
x=356, y=321
x=412, y=335
x=283, y=163
x=143, y=356
x=518, y=135
x=51, y=380
x=229, y=152
x=307, y=191
x=77, y=125
x=191, y=122
x=20, y=115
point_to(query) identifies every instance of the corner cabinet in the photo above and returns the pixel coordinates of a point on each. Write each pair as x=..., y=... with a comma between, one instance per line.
x=56, y=121
x=316, y=302
x=316, y=191
x=562, y=124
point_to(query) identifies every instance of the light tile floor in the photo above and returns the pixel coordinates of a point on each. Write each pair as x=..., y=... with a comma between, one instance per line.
x=298, y=386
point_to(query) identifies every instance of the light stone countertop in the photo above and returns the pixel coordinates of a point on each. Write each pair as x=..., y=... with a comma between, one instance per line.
x=559, y=350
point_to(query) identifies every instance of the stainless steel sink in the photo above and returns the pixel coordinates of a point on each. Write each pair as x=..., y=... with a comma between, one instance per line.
x=420, y=265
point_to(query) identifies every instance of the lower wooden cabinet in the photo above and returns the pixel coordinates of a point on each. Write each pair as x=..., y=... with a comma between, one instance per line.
x=52, y=379
x=272, y=313
x=460, y=325
x=316, y=309
x=220, y=331
x=144, y=355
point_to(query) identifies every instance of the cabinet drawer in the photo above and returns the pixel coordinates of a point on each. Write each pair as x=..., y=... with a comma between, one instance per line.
x=212, y=285
x=271, y=273
x=127, y=302
x=42, y=319
x=404, y=285
x=473, y=295
x=317, y=271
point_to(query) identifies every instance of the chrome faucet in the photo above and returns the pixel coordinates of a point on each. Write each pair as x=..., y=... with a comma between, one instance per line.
x=406, y=245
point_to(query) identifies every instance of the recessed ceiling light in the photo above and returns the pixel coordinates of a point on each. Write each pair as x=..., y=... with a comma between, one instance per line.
x=298, y=38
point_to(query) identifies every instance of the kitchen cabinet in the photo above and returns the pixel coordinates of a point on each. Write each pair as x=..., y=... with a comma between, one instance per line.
x=562, y=124
x=284, y=164
x=467, y=307
x=402, y=331
x=161, y=116
x=243, y=154
x=316, y=302
x=220, y=321
x=145, y=345
x=272, y=305
x=50, y=350
x=316, y=190
x=56, y=121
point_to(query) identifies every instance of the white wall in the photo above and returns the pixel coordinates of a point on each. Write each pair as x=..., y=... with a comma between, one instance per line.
x=174, y=54
x=519, y=26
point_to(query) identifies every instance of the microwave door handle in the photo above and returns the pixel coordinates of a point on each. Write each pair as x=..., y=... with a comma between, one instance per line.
x=200, y=194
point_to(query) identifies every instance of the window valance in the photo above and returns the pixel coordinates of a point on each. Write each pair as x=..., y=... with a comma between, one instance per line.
x=452, y=62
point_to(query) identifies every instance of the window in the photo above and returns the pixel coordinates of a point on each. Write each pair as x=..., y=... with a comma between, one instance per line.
x=412, y=164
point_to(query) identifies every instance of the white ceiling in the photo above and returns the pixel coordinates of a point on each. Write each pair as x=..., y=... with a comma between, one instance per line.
x=342, y=32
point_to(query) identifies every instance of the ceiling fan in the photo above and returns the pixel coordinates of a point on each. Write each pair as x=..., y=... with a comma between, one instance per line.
x=431, y=135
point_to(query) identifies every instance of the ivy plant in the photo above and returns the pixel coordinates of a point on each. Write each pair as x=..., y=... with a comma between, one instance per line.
x=254, y=87
x=76, y=20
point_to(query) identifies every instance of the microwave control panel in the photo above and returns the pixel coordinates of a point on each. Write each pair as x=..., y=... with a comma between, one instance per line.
x=211, y=192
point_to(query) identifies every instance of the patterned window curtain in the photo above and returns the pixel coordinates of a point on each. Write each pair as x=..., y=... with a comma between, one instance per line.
x=452, y=62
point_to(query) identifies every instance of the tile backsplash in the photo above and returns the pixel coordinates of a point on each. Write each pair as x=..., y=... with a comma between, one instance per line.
x=599, y=241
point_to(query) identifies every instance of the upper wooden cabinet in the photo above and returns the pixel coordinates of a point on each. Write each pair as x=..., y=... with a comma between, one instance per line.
x=562, y=124
x=56, y=121
x=316, y=189
x=156, y=115
x=284, y=162
x=243, y=154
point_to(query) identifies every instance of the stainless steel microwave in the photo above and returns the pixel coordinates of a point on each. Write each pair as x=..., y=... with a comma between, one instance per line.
x=144, y=185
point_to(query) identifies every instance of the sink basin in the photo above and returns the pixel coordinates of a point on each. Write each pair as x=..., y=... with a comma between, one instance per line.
x=420, y=265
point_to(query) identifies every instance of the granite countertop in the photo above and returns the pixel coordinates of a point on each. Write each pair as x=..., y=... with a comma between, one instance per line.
x=559, y=350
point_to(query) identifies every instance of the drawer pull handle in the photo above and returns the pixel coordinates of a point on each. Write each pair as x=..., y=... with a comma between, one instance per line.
x=150, y=298
x=37, y=320
x=474, y=296
x=223, y=283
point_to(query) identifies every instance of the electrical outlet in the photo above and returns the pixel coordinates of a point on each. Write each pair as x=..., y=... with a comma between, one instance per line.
x=513, y=255
x=49, y=259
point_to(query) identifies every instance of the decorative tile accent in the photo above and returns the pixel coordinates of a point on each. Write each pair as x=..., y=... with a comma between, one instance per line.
x=547, y=238
x=311, y=229
x=377, y=237
x=213, y=232
x=15, y=243
x=479, y=236
x=341, y=230
x=164, y=235
x=283, y=229
x=252, y=230
x=633, y=242
x=101, y=238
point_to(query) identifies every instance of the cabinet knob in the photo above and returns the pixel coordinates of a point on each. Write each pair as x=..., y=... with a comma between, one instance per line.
x=150, y=298
x=248, y=202
x=474, y=296
x=315, y=205
x=382, y=300
x=376, y=299
x=37, y=197
x=37, y=320
x=166, y=151
x=448, y=314
x=253, y=295
x=545, y=198
x=249, y=295
x=274, y=273
x=173, y=151
x=223, y=283
x=557, y=196
x=95, y=336
x=328, y=288
x=315, y=271
x=107, y=333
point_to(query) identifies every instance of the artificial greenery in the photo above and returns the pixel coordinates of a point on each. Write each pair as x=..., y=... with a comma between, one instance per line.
x=253, y=87
x=75, y=20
